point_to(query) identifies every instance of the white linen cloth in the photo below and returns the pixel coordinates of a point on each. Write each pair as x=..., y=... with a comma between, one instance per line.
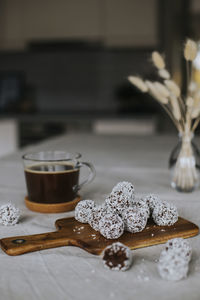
x=71, y=273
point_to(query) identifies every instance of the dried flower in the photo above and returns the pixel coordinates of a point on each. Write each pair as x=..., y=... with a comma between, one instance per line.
x=192, y=87
x=168, y=93
x=195, y=112
x=197, y=96
x=158, y=60
x=139, y=83
x=184, y=114
x=190, y=101
x=173, y=87
x=190, y=50
x=195, y=109
x=162, y=89
x=163, y=73
x=155, y=92
x=175, y=107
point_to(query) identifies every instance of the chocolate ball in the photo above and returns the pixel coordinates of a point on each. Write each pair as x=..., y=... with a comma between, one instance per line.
x=83, y=209
x=111, y=226
x=172, y=266
x=180, y=247
x=9, y=214
x=117, y=257
x=118, y=201
x=141, y=204
x=151, y=200
x=126, y=188
x=165, y=214
x=135, y=219
x=96, y=214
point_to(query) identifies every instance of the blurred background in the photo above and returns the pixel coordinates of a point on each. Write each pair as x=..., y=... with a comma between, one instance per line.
x=64, y=65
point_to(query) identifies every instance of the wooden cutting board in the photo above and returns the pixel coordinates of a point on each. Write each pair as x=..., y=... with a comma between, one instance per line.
x=73, y=233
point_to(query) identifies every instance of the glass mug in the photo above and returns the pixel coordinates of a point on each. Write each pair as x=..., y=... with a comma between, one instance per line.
x=52, y=177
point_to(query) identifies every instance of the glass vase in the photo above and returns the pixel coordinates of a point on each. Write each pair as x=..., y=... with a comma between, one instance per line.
x=184, y=163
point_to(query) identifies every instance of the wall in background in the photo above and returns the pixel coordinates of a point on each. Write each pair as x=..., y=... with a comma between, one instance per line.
x=114, y=22
x=8, y=136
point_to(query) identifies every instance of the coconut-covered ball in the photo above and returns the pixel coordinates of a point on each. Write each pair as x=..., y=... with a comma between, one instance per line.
x=126, y=188
x=96, y=214
x=117, y=257
x=83, y=209
x=118, y=202
x=135, y=219
x=172, y=266
x=111, y=226
x=142, y=204
x=9, y=215
x=165, y=214
x=179, y=246
x=152, y=201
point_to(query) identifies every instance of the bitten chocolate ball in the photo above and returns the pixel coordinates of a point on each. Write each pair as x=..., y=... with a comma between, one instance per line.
x=165, y=214
x=9, y=215
x=111, y=226
x=135, y=219
x=126, y=188
x=83, y=209
x=117, y=257
x=180, y=247
x=172, y=266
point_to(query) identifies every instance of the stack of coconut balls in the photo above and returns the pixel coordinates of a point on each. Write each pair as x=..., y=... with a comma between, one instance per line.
x=121, y=211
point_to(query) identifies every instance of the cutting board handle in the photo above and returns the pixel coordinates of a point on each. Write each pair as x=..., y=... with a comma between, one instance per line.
x=24, y=244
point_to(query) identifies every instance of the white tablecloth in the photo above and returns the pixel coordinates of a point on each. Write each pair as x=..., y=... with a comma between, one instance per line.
x=71, y=273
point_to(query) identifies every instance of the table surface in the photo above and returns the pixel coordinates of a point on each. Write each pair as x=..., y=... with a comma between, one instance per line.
x=71, y=273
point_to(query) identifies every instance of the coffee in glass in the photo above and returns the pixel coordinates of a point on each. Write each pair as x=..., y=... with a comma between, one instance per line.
x=53, y=176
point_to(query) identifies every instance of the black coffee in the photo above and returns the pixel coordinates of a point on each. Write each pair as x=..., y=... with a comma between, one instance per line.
x=51, y=183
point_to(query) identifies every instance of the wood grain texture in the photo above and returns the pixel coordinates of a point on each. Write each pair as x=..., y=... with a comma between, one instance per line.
x=73, y=233
x=52, y=208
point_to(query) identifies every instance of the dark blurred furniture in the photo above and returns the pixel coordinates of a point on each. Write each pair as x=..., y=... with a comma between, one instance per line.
x=11, y=91
x=79, y=80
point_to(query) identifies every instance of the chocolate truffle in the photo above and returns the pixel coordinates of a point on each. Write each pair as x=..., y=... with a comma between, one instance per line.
x=83, y=209
x=135, y=219
x=117, y=257
x=172, y=266
x=126, y=188
x=96, y=214
x=165, y=214
x=152, y=201
x=142, y=204
x=180, y=246
x=118, y=201
x=9, y=215
x=111, y=226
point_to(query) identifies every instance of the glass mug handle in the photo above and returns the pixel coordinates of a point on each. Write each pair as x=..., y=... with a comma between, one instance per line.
x=90, y=176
